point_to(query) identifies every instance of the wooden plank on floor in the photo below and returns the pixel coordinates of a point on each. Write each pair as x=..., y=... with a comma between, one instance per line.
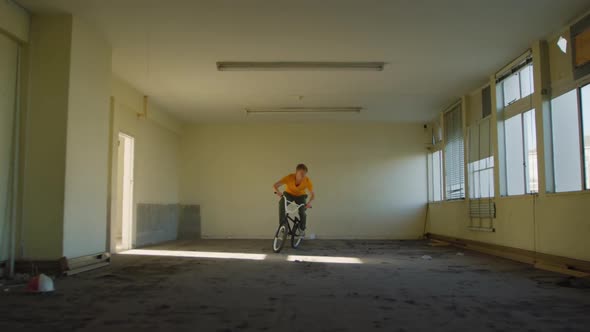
x=438, y=243
x=86, y=268
x=561, y=269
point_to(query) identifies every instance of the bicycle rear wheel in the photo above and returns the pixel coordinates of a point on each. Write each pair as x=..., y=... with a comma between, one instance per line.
x=280, y=238
x=297, y=236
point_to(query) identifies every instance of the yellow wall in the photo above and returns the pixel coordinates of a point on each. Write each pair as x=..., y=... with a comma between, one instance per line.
x=555, y=224
x=563, y=225
x=64, y=190
x=514, y=223
x=46, y=128
x=369, y=178
x=85, y=214
x=157, y=144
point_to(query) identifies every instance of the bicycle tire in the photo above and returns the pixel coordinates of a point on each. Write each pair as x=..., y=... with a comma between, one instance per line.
x=280, y=238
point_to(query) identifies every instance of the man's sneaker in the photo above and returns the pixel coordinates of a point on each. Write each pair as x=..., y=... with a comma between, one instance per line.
x=301, y=232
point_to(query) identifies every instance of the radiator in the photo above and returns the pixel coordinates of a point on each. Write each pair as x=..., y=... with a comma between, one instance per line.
x=482, y=208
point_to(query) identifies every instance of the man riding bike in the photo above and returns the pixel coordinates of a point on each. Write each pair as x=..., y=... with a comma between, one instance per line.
x=297, y=185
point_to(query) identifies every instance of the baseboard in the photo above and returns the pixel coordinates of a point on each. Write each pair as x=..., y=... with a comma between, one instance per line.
x=63, y=265
x=316, y=237
x=559, y=264
x=54, y=267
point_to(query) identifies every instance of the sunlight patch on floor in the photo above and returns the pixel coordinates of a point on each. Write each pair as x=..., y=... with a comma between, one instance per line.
x=324, y=259
x=242, y=256
x=195, y=254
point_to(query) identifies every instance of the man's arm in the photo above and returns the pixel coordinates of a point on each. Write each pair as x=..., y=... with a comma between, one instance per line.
x=276, y=187
x=311, y=198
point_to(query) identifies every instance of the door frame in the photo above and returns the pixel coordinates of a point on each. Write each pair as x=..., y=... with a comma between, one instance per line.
x=128, y=189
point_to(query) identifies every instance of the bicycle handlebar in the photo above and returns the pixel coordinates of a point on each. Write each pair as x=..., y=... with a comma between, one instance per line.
x=298, y=205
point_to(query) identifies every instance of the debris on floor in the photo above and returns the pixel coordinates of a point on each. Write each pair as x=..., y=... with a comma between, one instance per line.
x=22, y=277
x=460, y=254
x=18, y=282
x=438, y=243
x=573, y=282
x=426, y=257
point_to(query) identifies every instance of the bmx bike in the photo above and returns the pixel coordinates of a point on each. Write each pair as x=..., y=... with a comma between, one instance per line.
x=286, y=229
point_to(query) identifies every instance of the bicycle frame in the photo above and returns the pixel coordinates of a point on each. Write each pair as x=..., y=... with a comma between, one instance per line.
x=291, y=208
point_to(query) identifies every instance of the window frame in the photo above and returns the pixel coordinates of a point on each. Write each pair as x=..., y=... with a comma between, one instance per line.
x=473, y=171
x=551, y=186
x=504, y=112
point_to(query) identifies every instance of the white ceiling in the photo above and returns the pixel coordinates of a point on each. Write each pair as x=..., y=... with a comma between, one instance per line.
x=436, y=50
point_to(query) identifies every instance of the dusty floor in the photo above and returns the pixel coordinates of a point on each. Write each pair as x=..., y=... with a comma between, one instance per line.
x=394, y=289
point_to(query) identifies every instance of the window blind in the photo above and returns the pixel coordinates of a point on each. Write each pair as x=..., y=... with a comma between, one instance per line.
x=454, y=154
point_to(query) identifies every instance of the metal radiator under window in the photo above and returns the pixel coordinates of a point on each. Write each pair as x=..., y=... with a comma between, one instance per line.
x=482, y=208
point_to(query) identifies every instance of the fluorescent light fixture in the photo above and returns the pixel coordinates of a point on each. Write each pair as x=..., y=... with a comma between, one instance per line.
x=298, y=65
x=324, y=259
x=304, y=110
x=195, y=254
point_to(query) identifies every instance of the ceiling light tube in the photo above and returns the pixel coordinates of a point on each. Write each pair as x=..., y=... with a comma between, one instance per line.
x=298, y=65
x=304, y=110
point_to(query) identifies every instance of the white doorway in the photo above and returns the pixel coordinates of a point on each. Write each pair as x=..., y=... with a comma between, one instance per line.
x=123, y=226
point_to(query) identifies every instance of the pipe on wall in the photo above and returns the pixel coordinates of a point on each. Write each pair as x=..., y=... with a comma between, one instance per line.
x=145, y=109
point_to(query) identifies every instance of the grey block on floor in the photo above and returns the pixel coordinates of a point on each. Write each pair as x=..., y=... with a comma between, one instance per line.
x=189, y=224
x=156, y=223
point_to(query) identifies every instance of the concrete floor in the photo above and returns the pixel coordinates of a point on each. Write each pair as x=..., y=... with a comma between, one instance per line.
x=394, y=289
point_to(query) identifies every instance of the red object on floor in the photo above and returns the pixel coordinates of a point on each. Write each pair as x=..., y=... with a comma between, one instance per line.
x=33, y=285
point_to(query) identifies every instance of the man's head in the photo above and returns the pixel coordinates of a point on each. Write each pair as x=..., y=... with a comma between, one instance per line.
x=301, y=171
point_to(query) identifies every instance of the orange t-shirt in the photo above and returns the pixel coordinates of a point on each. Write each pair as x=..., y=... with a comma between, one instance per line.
x=293, y=189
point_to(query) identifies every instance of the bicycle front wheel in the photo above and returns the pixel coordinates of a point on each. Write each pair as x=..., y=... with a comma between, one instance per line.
x=280, y=238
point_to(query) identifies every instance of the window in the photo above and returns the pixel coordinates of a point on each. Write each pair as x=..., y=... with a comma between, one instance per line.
x=567, y=168
x=520, y=155
x=517, y=84
x=530, y=145
x=435, y=185
x=514, y=155
x=481, y=178
x=570, y=141
x=481, y=161
x=454, y=154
